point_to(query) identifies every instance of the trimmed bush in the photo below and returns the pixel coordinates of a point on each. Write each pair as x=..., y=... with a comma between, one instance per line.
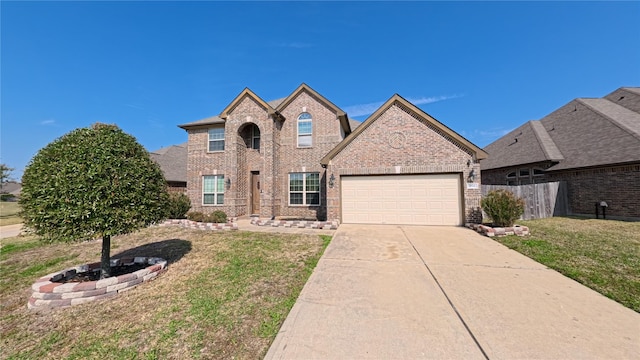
x=178, y=205
x=502, y=207
x=196, y=216
x=7, y=197
x=218, y=216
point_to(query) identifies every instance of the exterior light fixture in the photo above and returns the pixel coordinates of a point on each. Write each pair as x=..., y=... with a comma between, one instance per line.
x=472, y=176
x=332, y=180
x=228, y=183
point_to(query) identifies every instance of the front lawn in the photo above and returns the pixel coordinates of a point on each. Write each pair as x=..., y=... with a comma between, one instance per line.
x=601, y=254
x=225, y=295
x=9, y=213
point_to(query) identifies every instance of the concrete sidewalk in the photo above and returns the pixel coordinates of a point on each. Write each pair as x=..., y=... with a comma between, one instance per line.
x=8, y=231
x=391, y=292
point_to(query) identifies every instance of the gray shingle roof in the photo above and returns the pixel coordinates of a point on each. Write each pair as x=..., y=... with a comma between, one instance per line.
x=173, y=161
x=583, y=133
x=206, y=121
x=354, y=124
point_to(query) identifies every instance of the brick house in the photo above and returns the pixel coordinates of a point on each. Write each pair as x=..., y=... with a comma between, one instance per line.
x=300, y=157
x=591, y=144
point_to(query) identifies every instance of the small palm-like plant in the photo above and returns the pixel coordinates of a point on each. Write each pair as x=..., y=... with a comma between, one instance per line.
x=503, y=207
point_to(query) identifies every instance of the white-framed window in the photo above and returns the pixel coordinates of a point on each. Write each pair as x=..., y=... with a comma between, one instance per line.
x=304, y=189
x=538, y=172
x=213, y=190
x=305, y=130
x=255, y=137
x=216, y=139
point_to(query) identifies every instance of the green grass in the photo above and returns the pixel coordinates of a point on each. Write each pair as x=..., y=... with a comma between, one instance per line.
x=601, y=254
x=225, y=295
x=9, y=213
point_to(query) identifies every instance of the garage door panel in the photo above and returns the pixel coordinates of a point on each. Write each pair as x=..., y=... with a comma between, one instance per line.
x=402, y=199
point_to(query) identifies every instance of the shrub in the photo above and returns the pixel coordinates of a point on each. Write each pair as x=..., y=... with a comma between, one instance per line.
x=196, y=216
x=502, y=207
x=218, y=216
x=7, y=197
x=178, y=205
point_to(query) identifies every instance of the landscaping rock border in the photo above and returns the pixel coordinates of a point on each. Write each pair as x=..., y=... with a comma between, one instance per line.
x=47, y=293
x=499, y=231
x=189, y=224
x=301, y=224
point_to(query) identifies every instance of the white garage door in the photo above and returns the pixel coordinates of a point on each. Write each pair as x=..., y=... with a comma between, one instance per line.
x=402, y=199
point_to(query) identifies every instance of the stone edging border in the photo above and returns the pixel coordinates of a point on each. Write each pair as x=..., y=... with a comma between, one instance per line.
x=50, y=294
x=189, y=224
x=499, y=231
x=301, y=224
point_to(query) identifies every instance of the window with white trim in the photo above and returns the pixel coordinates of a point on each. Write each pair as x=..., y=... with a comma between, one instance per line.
x=213, y=190
x=304, y=189
x=216, y=139
x=305, y=130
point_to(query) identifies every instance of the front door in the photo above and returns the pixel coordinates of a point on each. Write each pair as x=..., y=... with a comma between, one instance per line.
x=255, y=192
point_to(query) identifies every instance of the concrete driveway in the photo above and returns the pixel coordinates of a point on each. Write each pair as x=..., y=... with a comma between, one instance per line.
x=406, y=292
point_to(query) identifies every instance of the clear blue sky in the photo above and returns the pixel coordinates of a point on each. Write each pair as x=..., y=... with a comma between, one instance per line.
x=481, y=68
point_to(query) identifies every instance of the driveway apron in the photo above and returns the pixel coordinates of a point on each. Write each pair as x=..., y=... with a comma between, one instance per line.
x=390, y=292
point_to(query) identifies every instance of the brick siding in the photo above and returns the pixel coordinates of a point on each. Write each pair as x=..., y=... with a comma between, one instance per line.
x=399, y=142
x=424, y=149
x=617, y=185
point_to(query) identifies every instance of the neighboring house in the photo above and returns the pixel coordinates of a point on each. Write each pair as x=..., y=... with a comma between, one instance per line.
x=591, y=144
x=173, y=162
x=300, y=157
x=11, y=187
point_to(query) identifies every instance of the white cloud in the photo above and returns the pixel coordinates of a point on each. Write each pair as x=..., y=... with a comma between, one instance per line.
x=429, y=100
x=47, y=122
x=370, y=108
x=294, y=45
x=362, y=109
x=483, y=137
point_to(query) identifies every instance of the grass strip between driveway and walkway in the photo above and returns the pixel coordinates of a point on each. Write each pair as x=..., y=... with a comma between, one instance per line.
x=225, y=295
x=601, y=254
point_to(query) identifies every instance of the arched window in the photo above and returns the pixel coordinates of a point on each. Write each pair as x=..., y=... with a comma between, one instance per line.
x=255, y=137
x=305, y=130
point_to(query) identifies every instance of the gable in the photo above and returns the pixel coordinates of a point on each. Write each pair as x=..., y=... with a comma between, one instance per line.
x=247, y=94
x=411, y=135
x=304, y=88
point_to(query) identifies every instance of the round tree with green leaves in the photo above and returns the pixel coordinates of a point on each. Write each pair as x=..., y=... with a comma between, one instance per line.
x=90, y=183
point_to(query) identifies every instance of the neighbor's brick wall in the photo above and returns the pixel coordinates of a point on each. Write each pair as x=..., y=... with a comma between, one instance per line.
x=619, y=186
x=326, y=135
x=399, y=143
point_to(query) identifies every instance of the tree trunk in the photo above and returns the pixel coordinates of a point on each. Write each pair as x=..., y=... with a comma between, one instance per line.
x=105, y=260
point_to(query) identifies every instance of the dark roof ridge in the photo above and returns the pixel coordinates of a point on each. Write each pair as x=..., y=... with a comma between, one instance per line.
x=551, y=151
x=625, y=119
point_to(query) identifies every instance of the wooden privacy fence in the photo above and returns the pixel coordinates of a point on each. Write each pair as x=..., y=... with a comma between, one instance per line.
x=540, y=200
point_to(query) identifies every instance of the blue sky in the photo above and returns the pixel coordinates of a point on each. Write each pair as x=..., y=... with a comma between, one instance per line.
x=481, y=68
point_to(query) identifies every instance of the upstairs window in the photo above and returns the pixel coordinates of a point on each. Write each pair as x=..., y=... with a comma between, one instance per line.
x=216, y=139
x=255, y=137
x=305, y=130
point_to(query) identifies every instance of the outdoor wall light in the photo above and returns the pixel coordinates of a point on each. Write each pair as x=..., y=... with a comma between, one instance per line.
x=472, y=176
x=468, y=163
x=228, y=183
x=332, y=180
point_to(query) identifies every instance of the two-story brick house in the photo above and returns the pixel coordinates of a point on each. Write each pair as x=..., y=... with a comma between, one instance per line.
x=291, y=157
